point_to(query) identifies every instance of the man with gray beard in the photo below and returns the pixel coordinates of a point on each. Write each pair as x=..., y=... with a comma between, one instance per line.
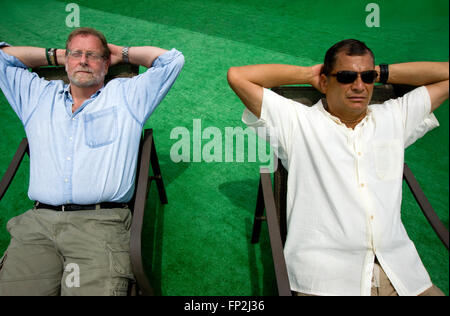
x=84, y=141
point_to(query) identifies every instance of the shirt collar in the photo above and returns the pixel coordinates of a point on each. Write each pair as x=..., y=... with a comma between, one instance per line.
x=68, y=101
x=66, y=91
x=335, y=119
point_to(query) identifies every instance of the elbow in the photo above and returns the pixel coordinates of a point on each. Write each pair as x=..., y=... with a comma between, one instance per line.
x=444, y=71
x=444, y=77
x=181, y=60
x=232, y=76
x=446, y=67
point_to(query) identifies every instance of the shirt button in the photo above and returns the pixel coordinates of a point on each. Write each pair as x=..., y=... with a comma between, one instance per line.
x=68, y=158
x=71, y=138
x=66, y=180
x=359, y=153
x=362, y=185
x=371, y=217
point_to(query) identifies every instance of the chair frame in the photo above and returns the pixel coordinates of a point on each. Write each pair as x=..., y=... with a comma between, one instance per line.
x=147, y=156
x=272, y=199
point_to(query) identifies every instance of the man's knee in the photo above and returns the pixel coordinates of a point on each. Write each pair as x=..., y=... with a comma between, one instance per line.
x=19, y=277
x=433, y=291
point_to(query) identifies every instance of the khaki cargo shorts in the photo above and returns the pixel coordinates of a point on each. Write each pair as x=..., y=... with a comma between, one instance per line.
x=68, y=253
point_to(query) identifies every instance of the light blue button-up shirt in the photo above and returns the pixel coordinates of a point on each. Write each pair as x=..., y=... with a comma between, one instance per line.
x=88, y=156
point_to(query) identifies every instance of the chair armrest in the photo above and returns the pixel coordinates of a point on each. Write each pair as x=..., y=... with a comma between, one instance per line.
x=425, y=205
x=276, y=244
x=138, y=215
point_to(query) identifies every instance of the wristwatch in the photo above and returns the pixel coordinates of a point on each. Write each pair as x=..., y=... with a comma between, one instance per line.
x=125, y=54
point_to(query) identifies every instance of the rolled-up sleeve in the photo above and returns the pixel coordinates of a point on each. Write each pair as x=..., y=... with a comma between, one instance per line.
x=145, y=91
x=276, y=122
x=415, y=112
x=19, y=85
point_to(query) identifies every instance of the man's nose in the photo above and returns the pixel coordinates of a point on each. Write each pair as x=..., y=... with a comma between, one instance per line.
x=358, y=84
x=83, y=59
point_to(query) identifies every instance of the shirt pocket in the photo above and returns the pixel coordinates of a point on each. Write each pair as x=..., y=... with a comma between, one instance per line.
x=101, y=127
x=388, y=159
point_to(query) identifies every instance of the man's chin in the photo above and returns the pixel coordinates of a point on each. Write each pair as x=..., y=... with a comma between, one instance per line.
x=85, y=83
x=358, y=104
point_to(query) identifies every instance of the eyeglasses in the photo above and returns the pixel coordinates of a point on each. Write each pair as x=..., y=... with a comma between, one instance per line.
x=346, y=76
x=77, y=54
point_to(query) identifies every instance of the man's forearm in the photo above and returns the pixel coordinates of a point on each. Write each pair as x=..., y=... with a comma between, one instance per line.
x=273, y=75
x=433, y=75
x=33, y=56
x=144, y=55
x=137, y=55
x=248, y=81
x=29, y=56
x=418, y=73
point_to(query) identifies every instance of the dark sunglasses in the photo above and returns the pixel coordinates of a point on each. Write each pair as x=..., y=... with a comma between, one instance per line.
x=347, y=76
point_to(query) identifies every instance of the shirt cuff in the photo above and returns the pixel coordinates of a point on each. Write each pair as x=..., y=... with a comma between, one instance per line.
x=429, y=121
x=166, y=58
x=251, y=120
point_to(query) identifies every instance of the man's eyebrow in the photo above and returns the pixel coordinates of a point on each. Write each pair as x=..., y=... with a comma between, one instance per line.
x=85, y=51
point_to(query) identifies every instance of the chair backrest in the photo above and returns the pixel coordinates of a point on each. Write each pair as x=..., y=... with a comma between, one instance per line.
x=309, y=96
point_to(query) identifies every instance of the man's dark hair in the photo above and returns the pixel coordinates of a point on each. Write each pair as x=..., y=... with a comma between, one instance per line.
x=350, y=47
x=84, y=31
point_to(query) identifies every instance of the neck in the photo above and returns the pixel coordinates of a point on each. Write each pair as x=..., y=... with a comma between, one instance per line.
x=81, y=94
x=350, y=119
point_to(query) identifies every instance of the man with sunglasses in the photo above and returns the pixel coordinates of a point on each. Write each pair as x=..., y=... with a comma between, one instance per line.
x=345, y=161
x=84, y=141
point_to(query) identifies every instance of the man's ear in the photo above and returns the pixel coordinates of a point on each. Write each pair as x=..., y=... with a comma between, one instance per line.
x=107, y=65
x=323, y=83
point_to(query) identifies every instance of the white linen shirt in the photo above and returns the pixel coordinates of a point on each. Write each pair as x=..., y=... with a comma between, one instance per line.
x=345, y=191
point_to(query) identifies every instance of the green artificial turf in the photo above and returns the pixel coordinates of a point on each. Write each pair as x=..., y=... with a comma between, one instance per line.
x=199, y=244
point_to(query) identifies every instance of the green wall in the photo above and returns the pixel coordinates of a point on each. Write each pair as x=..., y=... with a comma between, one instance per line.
x=199, y=244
